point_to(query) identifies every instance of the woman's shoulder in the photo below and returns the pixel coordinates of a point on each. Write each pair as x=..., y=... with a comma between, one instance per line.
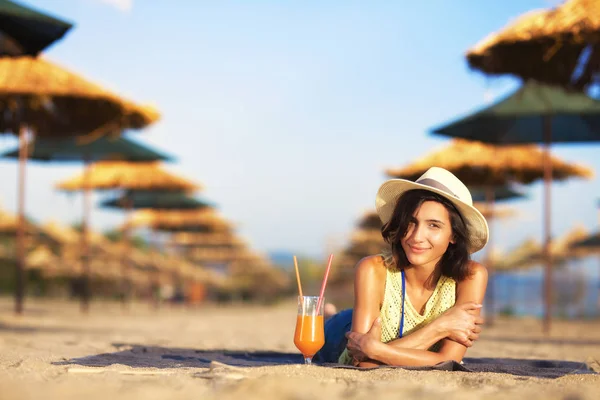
x=369, y=279
x=477, y=272
x=371, y=266
x=477, y=269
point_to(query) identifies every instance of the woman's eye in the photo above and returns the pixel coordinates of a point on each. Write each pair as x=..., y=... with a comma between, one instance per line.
x=434, y=226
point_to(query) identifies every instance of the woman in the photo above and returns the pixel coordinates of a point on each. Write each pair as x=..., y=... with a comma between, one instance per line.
x=417, y=303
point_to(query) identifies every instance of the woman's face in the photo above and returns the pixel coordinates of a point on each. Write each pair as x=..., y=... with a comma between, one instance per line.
x=428, y=235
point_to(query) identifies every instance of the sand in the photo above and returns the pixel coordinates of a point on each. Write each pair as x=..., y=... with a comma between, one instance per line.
x=48, y=353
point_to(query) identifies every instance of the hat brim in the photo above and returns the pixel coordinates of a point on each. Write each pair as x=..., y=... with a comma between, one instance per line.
x=389, y=193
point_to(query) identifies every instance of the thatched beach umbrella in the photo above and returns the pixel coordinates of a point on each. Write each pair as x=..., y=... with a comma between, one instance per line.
x=58, y=236
x=132, y=176
x=203, y=220
x=492, y=213
x=192, y=239
x=521, y=257
x=52, y=101
x=41, y=98
x=499, y=193
x=535, y=113
x=587, y=246
x=558, y=46
x=89, y=149
x=41, y=258
x=365, y=240
x=370, y=221
x=155, y=201
x=480, y=165
x=25, y=31
x=589, y=243
x=66, y=150
x=9, y=224
x=119, y=175
x=252, y=274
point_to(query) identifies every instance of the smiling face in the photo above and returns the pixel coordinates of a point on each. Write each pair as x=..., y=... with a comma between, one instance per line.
x=428, y=235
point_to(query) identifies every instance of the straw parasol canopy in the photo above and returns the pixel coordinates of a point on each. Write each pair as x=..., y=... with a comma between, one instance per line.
x=202, y=220
x=193, y=239
x=9, y=223
x=155, y=200
x=213, y=254
x=56, y=102
x=108, y=175
x=27, y=31
x=545, y=45
x=59, y=234
x=589, y=244
x=562, y=248
x=499, y=193
x=9, y=227
x=78, y=149
x=475, y=163
x=521, y=257
x=41, y=258
x=494, y=212
x=370, y=220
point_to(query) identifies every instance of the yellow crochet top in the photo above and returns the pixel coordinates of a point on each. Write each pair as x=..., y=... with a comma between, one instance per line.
x=442, y=298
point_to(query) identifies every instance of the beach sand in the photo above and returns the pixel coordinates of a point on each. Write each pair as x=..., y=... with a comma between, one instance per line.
x=53, y=351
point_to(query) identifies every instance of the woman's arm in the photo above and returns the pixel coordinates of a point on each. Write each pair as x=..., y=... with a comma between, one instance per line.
x=471, y=289
x=369, y=287
x=454, y=324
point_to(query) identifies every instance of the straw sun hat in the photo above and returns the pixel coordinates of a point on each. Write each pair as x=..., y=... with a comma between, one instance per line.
x=444, y=183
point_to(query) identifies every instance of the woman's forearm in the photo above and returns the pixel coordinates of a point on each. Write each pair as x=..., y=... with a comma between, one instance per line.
x=391, y=355
x=421, y=339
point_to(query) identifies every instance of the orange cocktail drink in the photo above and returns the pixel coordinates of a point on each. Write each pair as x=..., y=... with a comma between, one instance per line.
x=309, y=336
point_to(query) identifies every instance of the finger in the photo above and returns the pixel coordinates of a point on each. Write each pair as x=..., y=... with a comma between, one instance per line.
x=479, y=320
x=473, y=337
x=477, y=329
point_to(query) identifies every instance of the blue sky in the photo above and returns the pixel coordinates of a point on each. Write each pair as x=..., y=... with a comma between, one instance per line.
x=288, y=112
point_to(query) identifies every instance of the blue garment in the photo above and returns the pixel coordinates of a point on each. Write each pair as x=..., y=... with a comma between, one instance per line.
x=335, y=337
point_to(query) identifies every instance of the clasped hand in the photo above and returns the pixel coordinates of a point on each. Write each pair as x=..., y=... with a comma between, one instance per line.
x=461, y=323
x=362, y=345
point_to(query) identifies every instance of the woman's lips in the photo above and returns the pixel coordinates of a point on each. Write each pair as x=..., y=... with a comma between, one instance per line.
x=418, y=250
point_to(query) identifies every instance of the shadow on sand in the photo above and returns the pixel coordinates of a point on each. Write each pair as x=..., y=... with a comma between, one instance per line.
x=140, y=356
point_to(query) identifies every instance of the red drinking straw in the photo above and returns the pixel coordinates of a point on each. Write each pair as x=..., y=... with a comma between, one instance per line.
x=324, y=282
x=298, y=276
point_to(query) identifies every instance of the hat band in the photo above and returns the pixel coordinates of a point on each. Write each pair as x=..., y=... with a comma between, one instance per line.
x=436, y=185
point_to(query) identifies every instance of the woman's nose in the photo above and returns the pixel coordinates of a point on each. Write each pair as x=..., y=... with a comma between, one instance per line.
x=418, y=233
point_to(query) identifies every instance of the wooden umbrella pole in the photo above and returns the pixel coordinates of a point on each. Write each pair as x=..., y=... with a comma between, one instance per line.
x=547, y=225
x=20, y=265
x=126, y=244
x=155, y=273
x=85, y=248
x=489, y=199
